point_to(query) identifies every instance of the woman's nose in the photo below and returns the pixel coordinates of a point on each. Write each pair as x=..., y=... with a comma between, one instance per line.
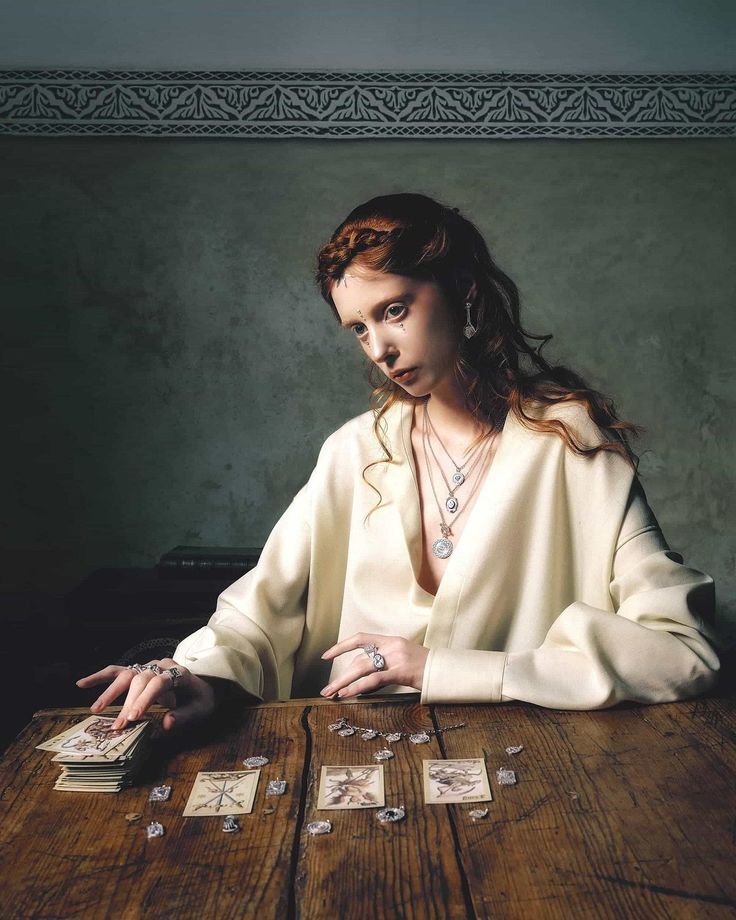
x=380, y=346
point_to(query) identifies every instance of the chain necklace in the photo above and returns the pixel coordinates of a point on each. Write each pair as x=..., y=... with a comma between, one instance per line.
x=443, y=546
x=345, y=729
x=458, y=477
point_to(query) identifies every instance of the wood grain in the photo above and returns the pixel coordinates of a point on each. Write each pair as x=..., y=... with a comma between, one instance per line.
x=615, y=814
x=364, y=868
x=624, y=813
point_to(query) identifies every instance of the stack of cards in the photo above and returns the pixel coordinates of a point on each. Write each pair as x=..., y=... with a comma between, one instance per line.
x=96, y=759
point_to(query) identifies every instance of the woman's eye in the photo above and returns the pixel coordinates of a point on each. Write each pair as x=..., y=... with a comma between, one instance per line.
x=395, y=310
x=359, y=329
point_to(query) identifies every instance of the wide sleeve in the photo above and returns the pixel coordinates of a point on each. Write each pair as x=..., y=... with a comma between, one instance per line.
x=655, y=646
x=257, y=626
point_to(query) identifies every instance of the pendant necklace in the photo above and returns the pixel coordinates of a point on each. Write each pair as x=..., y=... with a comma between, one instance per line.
x=443, y=546
x=345, y=729
x=458, y=477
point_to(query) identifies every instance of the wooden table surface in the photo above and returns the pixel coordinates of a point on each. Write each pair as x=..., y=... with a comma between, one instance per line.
x=621, y=813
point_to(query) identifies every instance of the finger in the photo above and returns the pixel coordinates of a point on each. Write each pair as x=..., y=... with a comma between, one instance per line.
x=185, y=715
x=116, y=689
x=362, y=666
x=365, y=684
x=356, y=641
x=99, y=677
x=159, y=688
x=137, y=686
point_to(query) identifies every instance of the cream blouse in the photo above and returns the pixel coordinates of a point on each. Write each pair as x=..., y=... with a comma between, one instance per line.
x=561, y=590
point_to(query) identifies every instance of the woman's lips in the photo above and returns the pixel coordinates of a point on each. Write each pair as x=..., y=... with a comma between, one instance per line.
x=406, y=376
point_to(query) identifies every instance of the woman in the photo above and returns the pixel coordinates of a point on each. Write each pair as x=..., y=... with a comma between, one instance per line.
x=480, y=535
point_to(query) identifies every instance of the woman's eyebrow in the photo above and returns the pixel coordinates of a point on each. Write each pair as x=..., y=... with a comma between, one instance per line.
x=407, y=296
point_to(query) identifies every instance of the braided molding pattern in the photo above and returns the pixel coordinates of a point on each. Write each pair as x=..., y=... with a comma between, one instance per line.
x=266, y=104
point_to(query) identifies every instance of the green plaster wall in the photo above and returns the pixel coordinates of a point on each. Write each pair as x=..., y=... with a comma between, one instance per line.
x=170, y=370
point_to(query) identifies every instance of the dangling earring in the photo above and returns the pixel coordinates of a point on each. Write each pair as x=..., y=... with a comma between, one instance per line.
x=469, y=330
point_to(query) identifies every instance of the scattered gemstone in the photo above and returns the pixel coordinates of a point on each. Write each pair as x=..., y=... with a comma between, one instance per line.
x=506, y=777
x=319, y=827
x=276, y=787
x=159, y=794
x=230, y=825
x=391, y=815
x=515, y=749
x=154, y=829
x=477, y=813
x=253, y=762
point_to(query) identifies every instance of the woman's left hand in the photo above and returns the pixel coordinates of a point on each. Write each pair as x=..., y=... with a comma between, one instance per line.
x=404, y=665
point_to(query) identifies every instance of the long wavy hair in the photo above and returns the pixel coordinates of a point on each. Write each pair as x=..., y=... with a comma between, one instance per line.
x=499, y=369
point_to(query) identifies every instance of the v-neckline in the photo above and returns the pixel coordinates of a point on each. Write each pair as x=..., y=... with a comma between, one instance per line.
x=411, y=518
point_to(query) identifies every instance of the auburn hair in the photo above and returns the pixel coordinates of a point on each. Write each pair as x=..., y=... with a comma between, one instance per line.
x=499, y=368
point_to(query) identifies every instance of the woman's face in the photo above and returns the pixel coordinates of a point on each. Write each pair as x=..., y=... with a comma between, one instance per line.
x=404, y=325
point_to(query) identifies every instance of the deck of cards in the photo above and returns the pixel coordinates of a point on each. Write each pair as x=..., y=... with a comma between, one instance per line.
x=94, y=758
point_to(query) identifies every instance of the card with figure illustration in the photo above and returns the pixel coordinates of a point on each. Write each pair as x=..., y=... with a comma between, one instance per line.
x=94, y=737
x=230, y=792
x=351, y=787
x=456, y=781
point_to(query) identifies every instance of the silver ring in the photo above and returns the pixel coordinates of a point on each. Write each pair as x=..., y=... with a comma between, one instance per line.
x=153, y=667
x=379, y=662
x=175, y=675
x=138, y=668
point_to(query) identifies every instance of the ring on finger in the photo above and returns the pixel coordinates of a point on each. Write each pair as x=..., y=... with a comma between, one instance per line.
x=153, y=667
x=175, y=676
x=138, y=668
x=379, y=662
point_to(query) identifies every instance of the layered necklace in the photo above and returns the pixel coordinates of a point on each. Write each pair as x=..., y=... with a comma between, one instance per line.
x=443, y=546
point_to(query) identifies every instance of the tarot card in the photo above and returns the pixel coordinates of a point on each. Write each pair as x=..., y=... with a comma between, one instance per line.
x=456, y=781
x=97, y=745
x=53, y=743
x=351, y=787
x=227, y=793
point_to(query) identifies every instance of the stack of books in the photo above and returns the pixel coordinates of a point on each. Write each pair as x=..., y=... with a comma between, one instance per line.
x=94, y=758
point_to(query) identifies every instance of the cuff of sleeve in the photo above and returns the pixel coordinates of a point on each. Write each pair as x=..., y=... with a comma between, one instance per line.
x=199, y=654
x=455, y=675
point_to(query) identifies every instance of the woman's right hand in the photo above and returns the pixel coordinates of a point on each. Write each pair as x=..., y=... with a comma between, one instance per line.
x=189, y=698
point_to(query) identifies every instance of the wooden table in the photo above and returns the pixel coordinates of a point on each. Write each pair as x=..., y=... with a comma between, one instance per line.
x=622, y=813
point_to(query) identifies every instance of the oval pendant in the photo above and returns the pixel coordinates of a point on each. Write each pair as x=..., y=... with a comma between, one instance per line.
x=392, y=737
x=419, y=738
x=442, y=548
x=451, y=504
x=458, y=478
x=346, y=732
x=369, y=734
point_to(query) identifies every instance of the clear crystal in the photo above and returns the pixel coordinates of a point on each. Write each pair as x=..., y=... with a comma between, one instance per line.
x=319, y=827
x=505, y=777
x=253, y=762
x=478, y=813
x=515, y=749
x=390, y=815
x=276, y=787
x=159, y=794
x=154, y=829
x=458, y=478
